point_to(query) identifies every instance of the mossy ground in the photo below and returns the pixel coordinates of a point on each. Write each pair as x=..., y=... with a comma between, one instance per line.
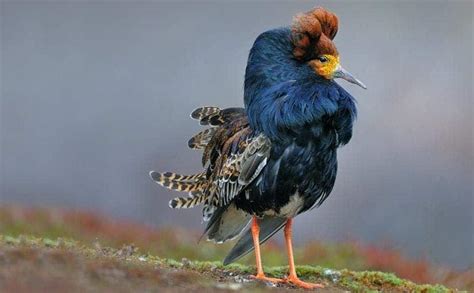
x=54, y=264
x=93, y=231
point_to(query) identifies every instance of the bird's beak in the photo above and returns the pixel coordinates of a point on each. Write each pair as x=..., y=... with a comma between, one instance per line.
x=340, y=72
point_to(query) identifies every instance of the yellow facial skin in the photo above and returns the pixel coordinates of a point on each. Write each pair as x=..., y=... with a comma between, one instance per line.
x=325, y=65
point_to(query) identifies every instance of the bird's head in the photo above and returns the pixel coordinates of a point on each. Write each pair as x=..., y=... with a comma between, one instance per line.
x=312, y=34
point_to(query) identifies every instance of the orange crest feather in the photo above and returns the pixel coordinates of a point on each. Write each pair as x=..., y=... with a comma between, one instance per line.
x=312, y=33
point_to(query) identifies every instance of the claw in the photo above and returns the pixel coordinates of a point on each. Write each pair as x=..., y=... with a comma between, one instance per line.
x=295, y=281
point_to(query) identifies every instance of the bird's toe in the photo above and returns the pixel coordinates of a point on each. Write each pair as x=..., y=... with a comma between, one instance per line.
x=263, y=278
x=295, y=281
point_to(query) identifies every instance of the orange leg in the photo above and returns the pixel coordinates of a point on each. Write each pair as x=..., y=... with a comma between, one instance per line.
x=256, y=242
x=292, y=277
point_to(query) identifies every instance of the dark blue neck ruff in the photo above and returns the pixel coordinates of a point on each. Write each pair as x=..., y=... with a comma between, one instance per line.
x=283, y=95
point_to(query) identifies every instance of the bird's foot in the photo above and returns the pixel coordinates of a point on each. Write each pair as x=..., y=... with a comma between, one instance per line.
x=295, y=281
x=262, y=277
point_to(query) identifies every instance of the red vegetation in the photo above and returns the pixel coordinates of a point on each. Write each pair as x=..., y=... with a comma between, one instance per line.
x=390, y=260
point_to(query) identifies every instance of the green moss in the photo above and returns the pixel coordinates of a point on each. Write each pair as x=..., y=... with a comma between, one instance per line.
x=379, y=279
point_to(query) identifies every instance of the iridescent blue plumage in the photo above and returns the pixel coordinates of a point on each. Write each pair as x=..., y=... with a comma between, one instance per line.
x=305, y=116
x=277, y=157
x=283, y=95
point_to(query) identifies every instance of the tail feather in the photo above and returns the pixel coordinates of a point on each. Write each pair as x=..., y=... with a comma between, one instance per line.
x=208, y=116
x=200, y=187
x=214, y=116
x=203, y=112
x=170, y=176
x=186, y=183
x=195, y=185
x=187, y=202
x=201, y=139
x=226, y=223
x=213, y=120
x=268, y=227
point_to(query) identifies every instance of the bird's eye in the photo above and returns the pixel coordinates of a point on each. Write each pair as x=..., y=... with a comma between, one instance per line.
x=323, y=59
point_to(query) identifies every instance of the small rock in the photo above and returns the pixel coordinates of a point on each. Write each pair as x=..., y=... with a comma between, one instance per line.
x=241, y=279
x=127, y=251
x=142, y=258
x=229, y=286
x=186, y=262
x=97, y=245
x=333, y=275
x=61, y=243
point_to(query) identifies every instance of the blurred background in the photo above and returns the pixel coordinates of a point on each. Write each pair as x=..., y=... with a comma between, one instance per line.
x=94, y=95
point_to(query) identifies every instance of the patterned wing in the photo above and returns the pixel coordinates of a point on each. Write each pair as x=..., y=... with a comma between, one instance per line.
x=241, y=166
x=233, y=156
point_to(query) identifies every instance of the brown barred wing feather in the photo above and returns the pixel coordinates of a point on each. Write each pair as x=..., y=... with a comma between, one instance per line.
x=233, y=156
x=241, y=167
x=200, y=140
x=195, y=185
x=254, y=159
